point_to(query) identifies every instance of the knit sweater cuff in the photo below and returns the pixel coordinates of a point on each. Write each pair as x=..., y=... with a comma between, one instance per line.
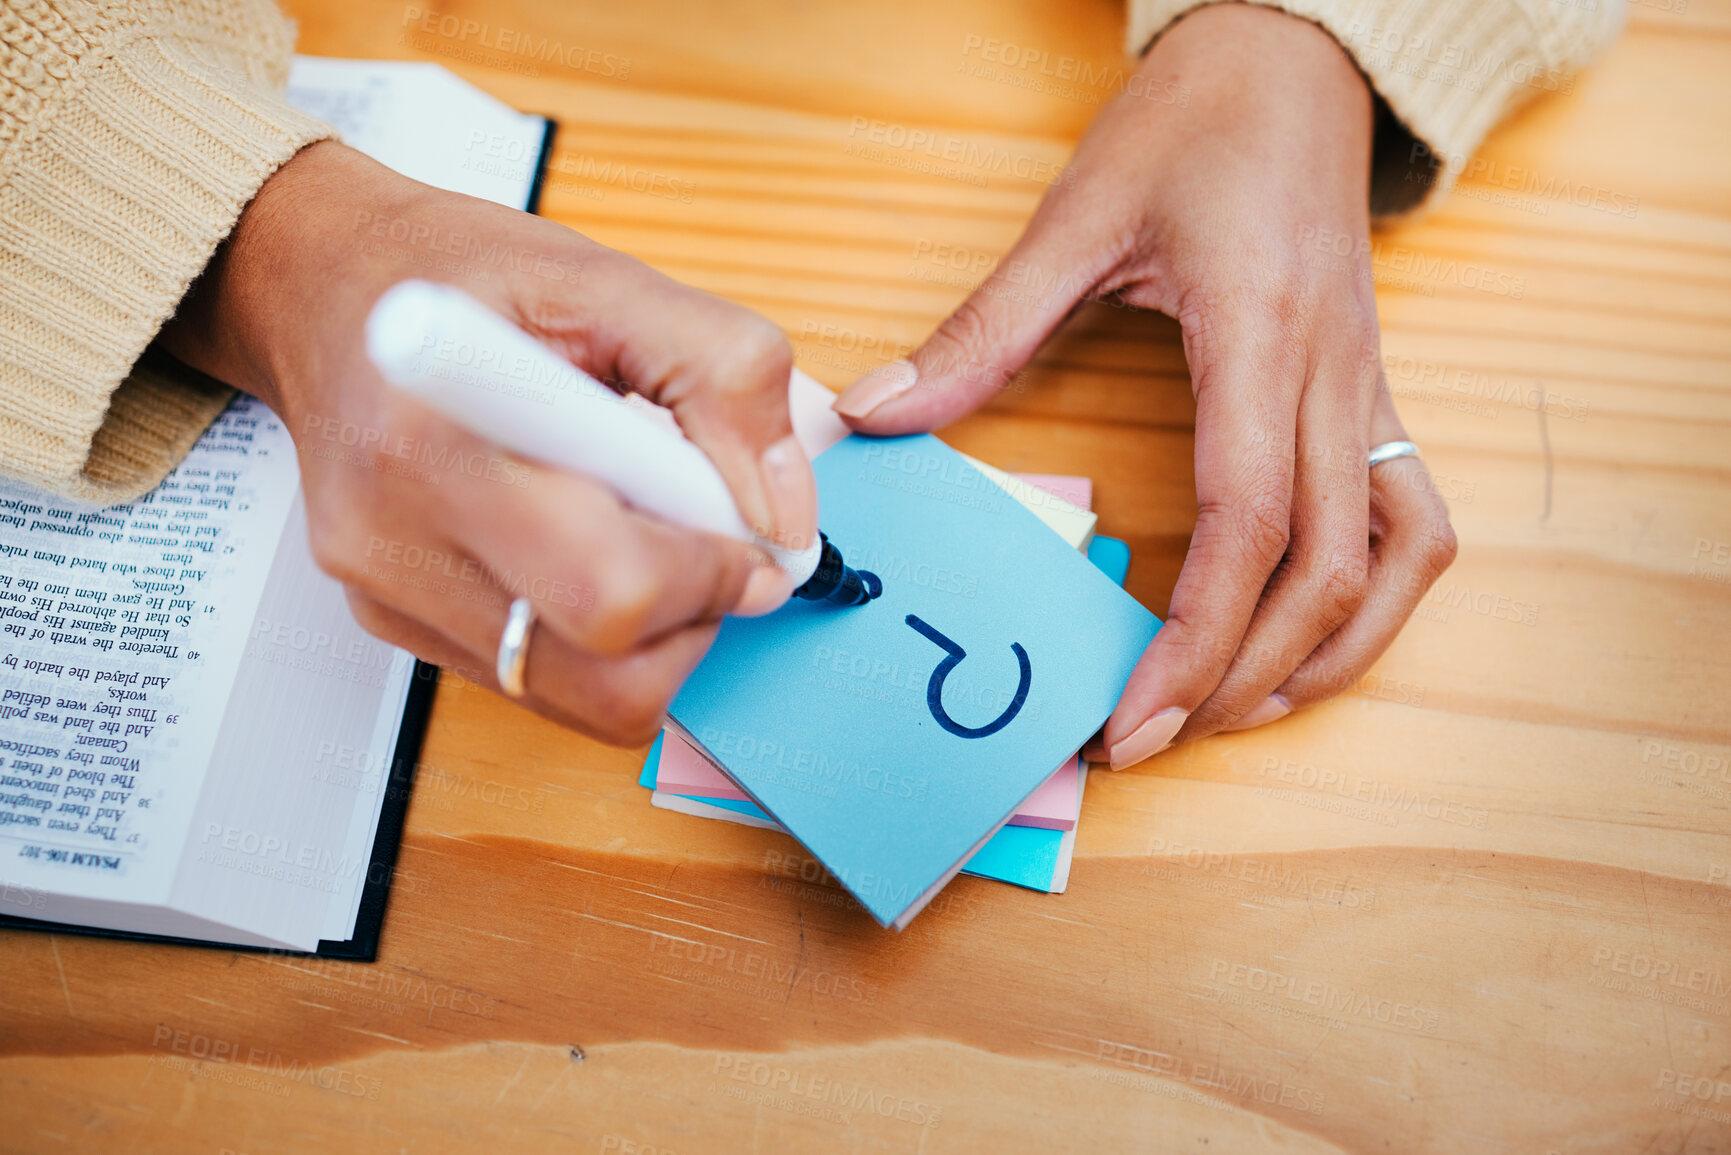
x=1447, y=70
x=110, y=206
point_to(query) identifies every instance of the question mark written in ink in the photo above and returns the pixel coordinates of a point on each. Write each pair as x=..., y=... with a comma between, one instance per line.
x=953, y=655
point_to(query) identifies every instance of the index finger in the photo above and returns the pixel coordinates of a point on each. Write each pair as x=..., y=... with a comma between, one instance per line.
x=721, y=369
x=978, y=350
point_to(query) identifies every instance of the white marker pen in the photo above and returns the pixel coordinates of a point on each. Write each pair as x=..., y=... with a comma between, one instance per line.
x=484, y=373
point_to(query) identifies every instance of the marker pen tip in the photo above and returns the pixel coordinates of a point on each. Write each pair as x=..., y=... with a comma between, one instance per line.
x=836, y=583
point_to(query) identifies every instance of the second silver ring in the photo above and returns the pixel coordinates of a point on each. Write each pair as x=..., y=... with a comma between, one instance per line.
x=1389, y=450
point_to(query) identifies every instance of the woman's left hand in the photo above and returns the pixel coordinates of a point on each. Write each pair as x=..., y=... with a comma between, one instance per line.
x=1242, y=212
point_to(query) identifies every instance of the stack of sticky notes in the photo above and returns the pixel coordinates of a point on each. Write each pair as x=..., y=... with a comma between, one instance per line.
x=913, y=737
x=1033, y=849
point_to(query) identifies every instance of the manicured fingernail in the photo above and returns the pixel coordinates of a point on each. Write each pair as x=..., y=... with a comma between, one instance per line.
x=1270, y=709
x=1149, y=738
x=766, y=590
x=880, y=385
x=792, y=495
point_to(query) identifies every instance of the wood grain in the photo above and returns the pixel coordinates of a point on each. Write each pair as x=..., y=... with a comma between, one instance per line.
x=1481, y=904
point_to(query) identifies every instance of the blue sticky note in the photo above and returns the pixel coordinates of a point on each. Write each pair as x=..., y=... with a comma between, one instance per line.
x=1110, y=556
x=893, y=738
x=732, y=804
x=1024, y=855
x=651, y=764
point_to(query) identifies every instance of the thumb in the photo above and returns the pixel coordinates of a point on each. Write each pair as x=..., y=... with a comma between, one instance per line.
x=979, y=348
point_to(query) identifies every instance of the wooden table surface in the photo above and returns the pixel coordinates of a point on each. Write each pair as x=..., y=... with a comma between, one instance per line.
x=1479, y=905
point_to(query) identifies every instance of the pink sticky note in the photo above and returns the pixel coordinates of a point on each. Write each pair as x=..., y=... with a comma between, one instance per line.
x=1055, y=804
x=1078, y=491
x=683, y=770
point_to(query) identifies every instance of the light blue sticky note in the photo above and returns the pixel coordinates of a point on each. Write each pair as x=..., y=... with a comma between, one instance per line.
x=1024, y=856
x=893, y=738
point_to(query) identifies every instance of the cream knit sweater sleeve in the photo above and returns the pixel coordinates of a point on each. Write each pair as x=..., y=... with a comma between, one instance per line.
x=132, y=134
x=131, y=137
x=1445, y=71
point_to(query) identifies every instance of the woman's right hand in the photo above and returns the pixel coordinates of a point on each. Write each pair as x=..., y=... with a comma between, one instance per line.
x=433, y=530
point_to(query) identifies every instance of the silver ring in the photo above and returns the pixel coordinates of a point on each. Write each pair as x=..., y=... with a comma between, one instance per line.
x=1389, y=450
x=513, y=659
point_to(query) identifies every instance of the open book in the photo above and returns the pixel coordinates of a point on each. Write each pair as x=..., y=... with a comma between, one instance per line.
x=196, y=739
